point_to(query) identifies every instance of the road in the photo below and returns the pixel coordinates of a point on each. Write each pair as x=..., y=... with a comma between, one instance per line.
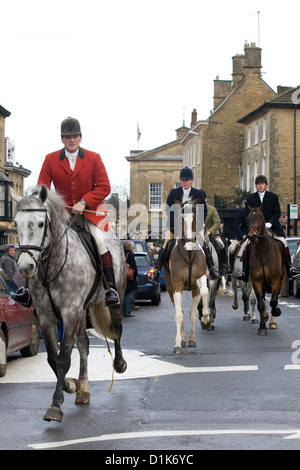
x=235, y=391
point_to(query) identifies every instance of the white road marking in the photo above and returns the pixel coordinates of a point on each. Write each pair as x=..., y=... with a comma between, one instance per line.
x=37, y=369
x=291, y=434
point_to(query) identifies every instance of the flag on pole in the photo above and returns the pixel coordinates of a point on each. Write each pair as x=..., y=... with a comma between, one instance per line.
x=138, y=132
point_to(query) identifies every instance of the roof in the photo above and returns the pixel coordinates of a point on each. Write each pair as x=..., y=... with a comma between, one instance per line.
x=4, y=112
x=288, y=99
x=4, y=178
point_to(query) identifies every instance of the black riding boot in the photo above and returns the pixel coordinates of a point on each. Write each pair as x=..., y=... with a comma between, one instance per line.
x=291, y=271
x=223, y=263
x=155, y=277
x=210, y=263
x=111, y=295
x=231, y=263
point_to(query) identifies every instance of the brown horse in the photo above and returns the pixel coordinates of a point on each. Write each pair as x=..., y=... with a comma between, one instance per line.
x=267, y=266
x=187, y=271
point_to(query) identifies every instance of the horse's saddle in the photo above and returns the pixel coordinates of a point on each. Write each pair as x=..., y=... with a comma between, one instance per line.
x=91, y=247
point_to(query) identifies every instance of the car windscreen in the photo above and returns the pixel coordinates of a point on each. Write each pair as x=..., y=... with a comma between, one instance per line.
x=142, y=261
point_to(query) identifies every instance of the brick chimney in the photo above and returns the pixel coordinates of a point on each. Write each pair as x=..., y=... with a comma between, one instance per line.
x=194, y=117
x=238, y=62
x=221, y=89
x=252, y=64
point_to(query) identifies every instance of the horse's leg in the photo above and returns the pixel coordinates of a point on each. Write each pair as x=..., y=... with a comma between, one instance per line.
x=235, y=303
x=214, y=287
x=245, y=298
x=193, y=316
x=253, y=304
x=262, y=330
x=275, y=312
x=83, y=395
x=120, y=365
x=180, y=335
x=63, y=362
x=205, y=319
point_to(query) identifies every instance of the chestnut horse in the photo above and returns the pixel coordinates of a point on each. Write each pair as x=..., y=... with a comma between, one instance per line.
x=267, y=266
x=187, y=271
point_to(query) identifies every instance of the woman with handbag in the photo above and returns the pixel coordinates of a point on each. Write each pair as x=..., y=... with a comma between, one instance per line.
x=131, y=278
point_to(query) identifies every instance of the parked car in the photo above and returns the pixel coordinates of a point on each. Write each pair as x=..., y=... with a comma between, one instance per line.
x=296, y=280
x=147, y=290
x=19, y=330
x=292, y=243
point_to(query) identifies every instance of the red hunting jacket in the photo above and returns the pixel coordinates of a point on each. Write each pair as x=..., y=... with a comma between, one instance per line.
x=88, y=181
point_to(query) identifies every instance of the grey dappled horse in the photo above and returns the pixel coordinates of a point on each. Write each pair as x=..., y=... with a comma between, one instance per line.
x=248, y=294
x=61, y=276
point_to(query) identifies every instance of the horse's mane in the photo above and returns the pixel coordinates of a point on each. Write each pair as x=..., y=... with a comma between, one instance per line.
x=54, y=198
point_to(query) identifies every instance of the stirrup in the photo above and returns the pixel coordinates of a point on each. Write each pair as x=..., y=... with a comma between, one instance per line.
x=112, y=298
x=214, y=274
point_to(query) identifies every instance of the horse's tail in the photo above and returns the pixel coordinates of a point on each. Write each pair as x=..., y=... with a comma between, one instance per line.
x=101, y=320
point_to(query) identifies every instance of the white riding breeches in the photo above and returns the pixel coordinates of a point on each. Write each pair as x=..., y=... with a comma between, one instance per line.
x=98, y=235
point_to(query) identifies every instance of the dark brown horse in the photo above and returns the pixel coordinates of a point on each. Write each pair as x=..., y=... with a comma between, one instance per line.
x=267, y=266
x=187, y=271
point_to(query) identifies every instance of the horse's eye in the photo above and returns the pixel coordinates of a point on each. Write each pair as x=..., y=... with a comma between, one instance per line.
x=41, y=224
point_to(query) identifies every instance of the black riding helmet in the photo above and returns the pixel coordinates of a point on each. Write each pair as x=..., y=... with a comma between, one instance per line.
x=261, y=179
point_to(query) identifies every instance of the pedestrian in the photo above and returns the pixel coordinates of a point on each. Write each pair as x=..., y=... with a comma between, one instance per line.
x=271, y=210
x=131, y=283
x=9, y=264
x=183, y=193
x=79, y=175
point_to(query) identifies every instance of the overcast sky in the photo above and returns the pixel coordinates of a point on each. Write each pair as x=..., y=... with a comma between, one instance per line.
x=112, y=64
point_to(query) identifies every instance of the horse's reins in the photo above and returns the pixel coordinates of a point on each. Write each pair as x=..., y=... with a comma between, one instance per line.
x=43, y=276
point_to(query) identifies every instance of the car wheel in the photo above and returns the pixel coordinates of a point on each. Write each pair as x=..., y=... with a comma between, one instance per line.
x=33, y=347
x=296, y=289
x=156, y=299
x=3, y=355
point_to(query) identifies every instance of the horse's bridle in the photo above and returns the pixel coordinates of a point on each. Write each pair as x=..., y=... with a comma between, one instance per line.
x=45, y=254
x=41, y=249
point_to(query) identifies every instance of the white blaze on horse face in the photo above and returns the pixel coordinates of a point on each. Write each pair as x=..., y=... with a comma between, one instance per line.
x=188, y=230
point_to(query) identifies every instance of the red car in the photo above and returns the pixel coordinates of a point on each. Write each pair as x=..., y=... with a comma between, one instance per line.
x=19, y=329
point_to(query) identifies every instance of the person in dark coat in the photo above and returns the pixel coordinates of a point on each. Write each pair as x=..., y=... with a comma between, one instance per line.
x=272, y=212
x=131, y=284
x=183, y=193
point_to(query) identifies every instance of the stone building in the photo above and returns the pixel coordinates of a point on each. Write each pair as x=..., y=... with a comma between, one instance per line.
x=153, y=173
x=212, y=148
x=272, y=146
x=11, y=175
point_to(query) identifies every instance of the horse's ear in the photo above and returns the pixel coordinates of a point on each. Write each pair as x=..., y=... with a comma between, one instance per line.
x=197, y=201
x=249, y=207
x=43, y=194
x=178, y=202
x=15, y=196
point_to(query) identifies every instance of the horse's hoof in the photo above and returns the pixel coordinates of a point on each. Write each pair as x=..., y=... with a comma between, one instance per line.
x=192, y=344
x=211, y=327
x=82, y=398
x=205, y=326
x=73, y=385
x=183, y=344
x=235, y=307
x=53, y=414
x=276, y=312
x=177, y=350
x=246, y=317
x=255, y=321
x=262, y=331
x=273, y=326
x=120, y=368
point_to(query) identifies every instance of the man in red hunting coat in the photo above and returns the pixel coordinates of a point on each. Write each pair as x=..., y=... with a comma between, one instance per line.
x=79, y=175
